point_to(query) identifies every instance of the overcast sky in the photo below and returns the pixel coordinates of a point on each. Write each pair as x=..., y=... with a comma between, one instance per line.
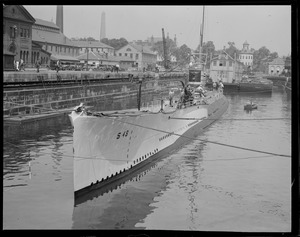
x=268, y=26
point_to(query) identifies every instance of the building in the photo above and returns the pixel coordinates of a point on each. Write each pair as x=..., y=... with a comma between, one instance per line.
x=51, y=39
x=246, y=55
x=288, y=66
x=276, y=67
x=97, y=59
x=39, y=54
x=93, y=46
x=226, y=68
x=142, y=55
x=17, y=36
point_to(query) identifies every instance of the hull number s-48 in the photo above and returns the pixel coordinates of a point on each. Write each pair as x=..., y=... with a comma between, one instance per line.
x=124, y=134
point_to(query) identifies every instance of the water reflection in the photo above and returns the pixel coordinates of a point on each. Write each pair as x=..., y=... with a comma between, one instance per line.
x=122, y=204
x=118, y=184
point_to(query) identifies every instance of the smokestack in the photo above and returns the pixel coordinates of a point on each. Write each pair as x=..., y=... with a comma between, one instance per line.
x=60, y=18
x=102, y=29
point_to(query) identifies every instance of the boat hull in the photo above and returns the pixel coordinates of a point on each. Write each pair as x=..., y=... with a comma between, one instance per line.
x=109, y=148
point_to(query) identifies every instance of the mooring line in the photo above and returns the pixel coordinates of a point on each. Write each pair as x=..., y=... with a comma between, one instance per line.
x=230, y=119
x=190, y=138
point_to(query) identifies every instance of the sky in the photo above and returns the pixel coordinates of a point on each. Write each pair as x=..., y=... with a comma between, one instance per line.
x=260, y=25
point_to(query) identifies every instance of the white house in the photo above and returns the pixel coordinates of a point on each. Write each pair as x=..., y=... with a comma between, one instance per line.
x=276, y=67
x=225, y=68
x=246, y=55
x=142, y=55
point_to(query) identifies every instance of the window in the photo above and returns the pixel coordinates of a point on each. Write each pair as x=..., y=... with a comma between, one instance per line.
x=128, y=49
x=222, y=63
x=120, y=54
x=136, y=56
x=21, y=33
x=126, y=54
x=131, y=55
x=215, y=63
x=13, y=31
x=230, y=63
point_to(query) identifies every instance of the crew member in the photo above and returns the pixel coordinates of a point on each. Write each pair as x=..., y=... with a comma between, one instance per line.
x=221, y=86
x=171, y=95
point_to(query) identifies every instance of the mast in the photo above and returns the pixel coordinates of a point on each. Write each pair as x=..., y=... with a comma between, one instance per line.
x=165, y=49
x=201, y=35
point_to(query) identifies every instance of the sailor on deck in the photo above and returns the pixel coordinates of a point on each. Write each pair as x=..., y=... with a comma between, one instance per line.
x=201, y=91
x=221, y=86
x=214, y=85
x=171, y=95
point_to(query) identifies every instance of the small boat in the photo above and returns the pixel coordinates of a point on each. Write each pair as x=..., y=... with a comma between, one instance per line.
x=250, y=106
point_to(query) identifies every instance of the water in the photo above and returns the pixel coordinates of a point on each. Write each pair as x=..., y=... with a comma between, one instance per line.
x=201, y=186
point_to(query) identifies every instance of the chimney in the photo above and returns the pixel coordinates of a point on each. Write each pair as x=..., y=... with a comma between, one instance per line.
x=102, y=29
x=60, y=18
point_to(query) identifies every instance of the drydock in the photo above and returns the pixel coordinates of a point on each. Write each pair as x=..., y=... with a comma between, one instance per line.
x=31, y=96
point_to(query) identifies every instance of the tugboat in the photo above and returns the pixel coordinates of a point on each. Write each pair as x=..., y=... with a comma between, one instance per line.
x=255, y=84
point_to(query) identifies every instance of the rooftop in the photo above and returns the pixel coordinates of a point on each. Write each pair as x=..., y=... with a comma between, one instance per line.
x=102, y=57
x=93, y=44
x=278, y=61
x=46, y=23
x=49, y=36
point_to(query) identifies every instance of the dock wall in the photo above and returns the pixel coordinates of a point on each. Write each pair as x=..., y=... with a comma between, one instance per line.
x=89, y=89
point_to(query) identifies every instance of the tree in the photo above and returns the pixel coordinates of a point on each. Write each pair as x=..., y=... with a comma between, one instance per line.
x=115, y=43
x=159, y=48
x=260, y=59
x=208, y=48
x=273, y=55
x=83, y=39
x=170, y=47
x=232, y=50
x=183, y=55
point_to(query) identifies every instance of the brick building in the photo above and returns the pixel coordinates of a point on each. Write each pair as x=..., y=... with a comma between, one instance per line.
x=49, y=37
x=17, y=37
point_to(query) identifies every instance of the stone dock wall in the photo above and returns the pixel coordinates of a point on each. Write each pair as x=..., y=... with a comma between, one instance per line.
x=86, y=87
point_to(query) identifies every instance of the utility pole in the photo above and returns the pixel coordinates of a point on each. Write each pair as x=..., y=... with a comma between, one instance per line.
x=87, y=57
